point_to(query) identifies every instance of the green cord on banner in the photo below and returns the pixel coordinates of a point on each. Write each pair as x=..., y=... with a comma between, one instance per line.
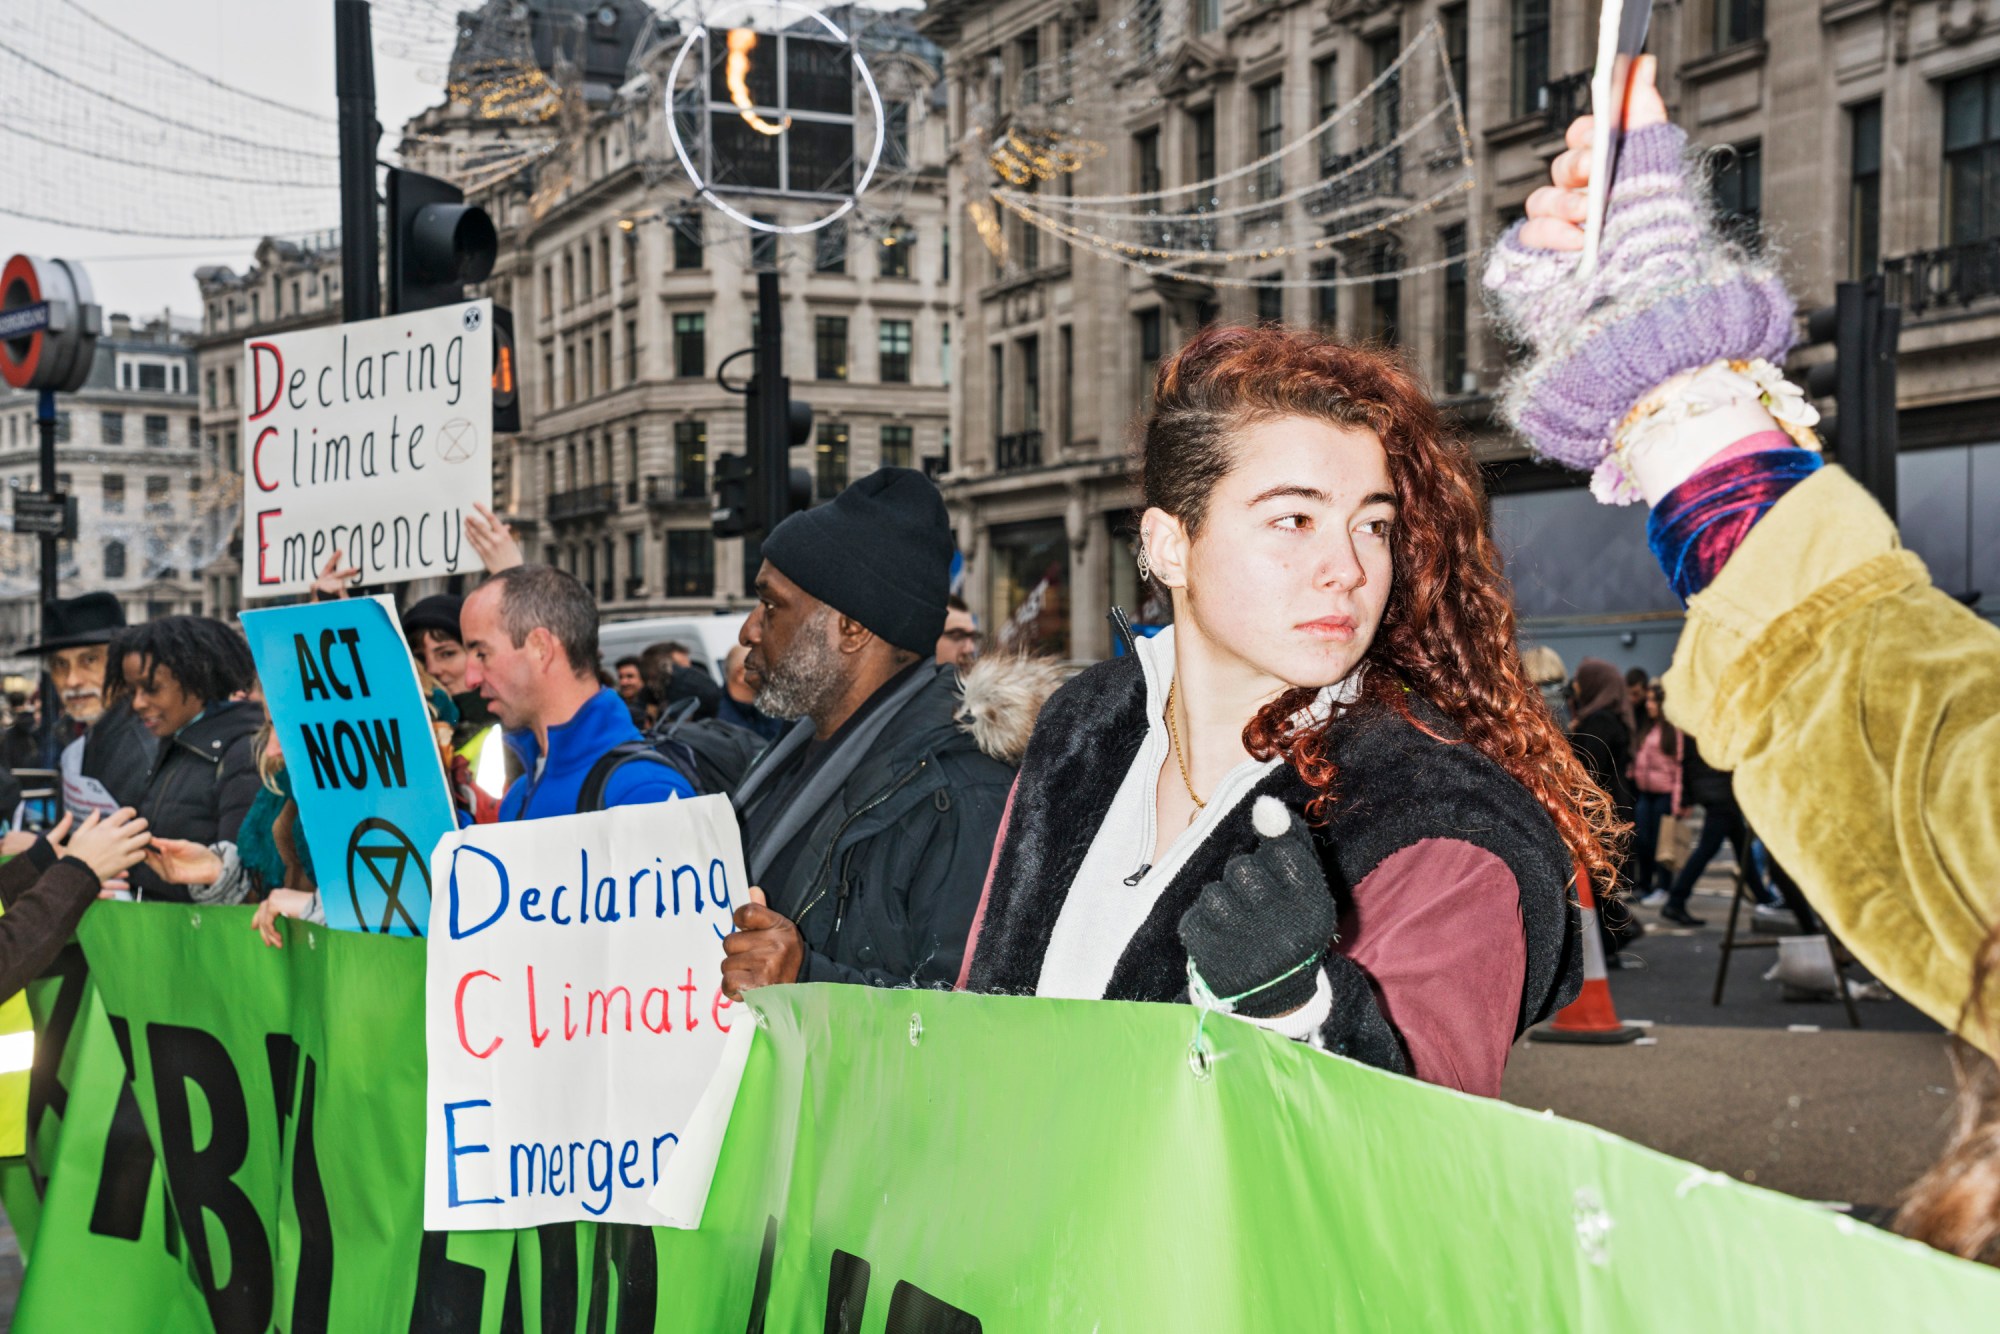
x=1207, y=1002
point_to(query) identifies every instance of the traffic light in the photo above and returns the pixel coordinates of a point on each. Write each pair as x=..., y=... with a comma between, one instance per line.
x=506, y=388
x=1861, y=431
x=437, y=243
x=735, y=497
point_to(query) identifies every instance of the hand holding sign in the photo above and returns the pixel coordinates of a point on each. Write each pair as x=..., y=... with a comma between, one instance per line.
x=333, y=580
x=764, y=951
x=491, y=540
x=1556, y=212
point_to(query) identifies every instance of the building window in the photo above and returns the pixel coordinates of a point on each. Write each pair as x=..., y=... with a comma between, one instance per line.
x=1028, y=51
x=589, y=364
x=690, y=563
x=114, y=560
x=229, y=448
x=1383, y=52
x=1738, y=21
x=1452, y=359
x=112, y=428
x=631, y=352
x=898, y=447
x=1030, y=589
x=895, y=335
x=687, y=231
x=690, y=460
x=830, y=248
x=1864, y=190
x=1270, y=302
x=208, y=385
x=1146, y=153
x=830, y=347
x=159, y=496
x=690, y=346
x=944, y=251
x=944, y=355
x=999, y=389
x=764, y=244
x=1201, y=127
x=62, y=426
x=1269, y=102
x=1326, y=295
x=1031, y=384
x=1972, y=158
x=1455, y=34
x=152, y=377
x=894, y=259
x=895, y=134
x=1326, y=101
x=548, y=380
x=114, y=493
x=1066, y=385
x=569, y=280
x=1739, y=193
x=1151, y=345
x=1383, y=319
x=158, y=430
x=830, y=461
x=1207, y=15
x=1531, y=54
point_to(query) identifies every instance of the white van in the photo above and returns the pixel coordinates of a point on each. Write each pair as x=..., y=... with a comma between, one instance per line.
x=709, y=638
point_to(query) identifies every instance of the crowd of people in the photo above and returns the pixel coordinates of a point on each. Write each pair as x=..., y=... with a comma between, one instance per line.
x=1332, y=797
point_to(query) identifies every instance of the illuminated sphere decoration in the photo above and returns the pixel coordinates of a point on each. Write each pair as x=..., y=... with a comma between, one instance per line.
x=742, y=44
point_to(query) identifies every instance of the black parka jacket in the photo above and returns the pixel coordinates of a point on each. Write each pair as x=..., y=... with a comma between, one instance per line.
x=201, y=785
x=884, y=892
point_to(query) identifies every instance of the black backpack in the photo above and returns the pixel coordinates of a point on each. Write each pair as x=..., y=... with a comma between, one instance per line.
x=712, y=755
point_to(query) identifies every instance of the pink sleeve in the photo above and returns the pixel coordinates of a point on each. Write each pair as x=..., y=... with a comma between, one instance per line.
x=979, y=915
x=1437, y=928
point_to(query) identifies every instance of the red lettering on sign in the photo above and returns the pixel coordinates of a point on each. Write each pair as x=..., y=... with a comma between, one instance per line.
x=257, y=459
x=257, y=379
x=264, y=576
x=458, y=1008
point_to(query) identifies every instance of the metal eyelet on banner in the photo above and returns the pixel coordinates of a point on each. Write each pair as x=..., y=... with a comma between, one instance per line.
x=194, y=919
x=312, y=940
x=1201, y=1057
x=916, y=1029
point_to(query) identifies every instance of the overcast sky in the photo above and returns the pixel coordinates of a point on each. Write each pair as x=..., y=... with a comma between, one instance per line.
x=278, y=48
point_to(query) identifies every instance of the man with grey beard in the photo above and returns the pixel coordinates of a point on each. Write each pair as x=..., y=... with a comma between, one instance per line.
x=869, y=824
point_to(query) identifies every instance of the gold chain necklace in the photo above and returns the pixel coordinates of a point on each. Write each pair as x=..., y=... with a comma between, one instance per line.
x=1180, y=752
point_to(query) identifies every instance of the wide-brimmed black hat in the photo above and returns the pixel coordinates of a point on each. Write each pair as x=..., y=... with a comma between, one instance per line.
x=94, y=618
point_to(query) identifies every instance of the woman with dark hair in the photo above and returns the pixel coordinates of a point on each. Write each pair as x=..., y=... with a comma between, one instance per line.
x=1600, y=729
x=186, y=675
x=1328, y=797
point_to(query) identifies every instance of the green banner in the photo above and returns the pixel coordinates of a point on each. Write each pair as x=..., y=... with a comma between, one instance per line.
x=908, y=1161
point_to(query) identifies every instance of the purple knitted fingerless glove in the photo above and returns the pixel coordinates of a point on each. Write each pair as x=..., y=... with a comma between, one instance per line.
x=1670, y=294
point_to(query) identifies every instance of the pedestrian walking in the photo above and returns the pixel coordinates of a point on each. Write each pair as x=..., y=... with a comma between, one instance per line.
x=1656, y=785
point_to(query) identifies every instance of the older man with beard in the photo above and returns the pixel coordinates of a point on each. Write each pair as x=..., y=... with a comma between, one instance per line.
x=868, y=825
x=106, y=753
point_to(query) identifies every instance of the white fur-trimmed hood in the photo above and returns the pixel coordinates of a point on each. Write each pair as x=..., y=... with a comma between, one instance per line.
x=1001, y=696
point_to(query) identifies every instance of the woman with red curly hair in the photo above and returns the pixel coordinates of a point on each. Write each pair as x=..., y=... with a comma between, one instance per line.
x=1327, y=798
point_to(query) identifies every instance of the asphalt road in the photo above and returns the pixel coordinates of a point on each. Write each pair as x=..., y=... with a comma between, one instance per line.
x=1780, y=1093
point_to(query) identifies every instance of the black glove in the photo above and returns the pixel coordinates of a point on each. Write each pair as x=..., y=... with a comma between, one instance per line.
x=1263, y=926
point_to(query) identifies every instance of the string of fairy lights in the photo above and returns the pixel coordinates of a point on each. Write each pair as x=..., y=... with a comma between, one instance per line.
x=1366, y=167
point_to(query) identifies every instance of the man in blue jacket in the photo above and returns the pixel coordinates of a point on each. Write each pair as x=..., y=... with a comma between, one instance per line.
x=531, y=645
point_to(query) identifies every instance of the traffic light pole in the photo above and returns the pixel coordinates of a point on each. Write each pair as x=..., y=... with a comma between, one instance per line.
x=772, y=452
x=45, y=413
x=354, y=81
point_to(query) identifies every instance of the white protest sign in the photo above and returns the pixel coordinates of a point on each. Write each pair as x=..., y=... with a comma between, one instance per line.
x=573, y=1009
x=373, y=439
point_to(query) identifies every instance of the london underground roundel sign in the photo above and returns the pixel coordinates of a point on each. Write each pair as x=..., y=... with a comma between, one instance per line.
x=48, y=324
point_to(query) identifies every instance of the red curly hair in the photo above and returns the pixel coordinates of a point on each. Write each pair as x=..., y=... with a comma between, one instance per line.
x=1447, y=631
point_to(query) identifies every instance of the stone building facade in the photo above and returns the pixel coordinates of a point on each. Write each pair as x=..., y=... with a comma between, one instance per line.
x=1854, y=137
x=127, y=449
x=628, y=295
x=290, y=285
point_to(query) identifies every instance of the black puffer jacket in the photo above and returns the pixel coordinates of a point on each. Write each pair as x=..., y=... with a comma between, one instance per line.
x=884, y=891
x=201, y=786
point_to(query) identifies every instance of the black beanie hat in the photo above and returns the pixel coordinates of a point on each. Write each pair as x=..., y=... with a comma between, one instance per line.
x=438, y=612
x=880, y=553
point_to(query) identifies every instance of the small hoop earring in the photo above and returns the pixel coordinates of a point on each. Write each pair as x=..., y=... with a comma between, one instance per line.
x=1145, y=566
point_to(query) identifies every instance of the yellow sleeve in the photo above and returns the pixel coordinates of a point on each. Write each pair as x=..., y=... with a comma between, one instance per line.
x=1859, y=709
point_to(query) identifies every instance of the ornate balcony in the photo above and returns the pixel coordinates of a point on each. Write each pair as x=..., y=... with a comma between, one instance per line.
x=1022, y=449
x=1950, y=276
x=585, y=502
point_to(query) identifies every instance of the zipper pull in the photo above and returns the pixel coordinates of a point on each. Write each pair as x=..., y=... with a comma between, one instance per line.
x=1139, y=874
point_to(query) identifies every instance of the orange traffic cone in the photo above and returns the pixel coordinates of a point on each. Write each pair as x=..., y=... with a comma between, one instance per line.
x=1588, y=1018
